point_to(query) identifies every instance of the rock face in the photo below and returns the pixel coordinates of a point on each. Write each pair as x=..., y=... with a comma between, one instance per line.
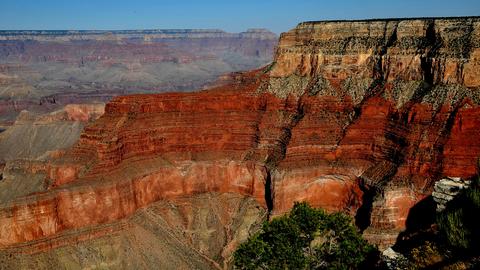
x=395, y=95
x=356, y=116
x=198, y=232
x=35, y=136
x=45, y=70
x=446, y=189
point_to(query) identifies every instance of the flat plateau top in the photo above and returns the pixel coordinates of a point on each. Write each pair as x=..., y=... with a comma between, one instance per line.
x=393, y=19
x=126, y=32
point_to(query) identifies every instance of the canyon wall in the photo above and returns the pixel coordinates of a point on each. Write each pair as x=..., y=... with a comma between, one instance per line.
x=355, y=116
x=393, y=98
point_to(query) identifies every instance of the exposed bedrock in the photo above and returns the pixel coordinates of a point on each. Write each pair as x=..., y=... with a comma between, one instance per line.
x=400, y=92
x=194, y=232
x=446, y=190
x=36, y=136
x=361, y=116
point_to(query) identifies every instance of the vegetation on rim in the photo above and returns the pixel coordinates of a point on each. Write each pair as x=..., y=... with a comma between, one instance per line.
x=306, y=238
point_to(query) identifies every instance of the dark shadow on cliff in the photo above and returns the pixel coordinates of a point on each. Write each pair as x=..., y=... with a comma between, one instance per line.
x=364, y=213
x=445, y=239
x=268, y=194
x=420, y=226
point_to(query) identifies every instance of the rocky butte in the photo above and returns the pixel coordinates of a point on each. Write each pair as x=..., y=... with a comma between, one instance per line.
x=356, y=116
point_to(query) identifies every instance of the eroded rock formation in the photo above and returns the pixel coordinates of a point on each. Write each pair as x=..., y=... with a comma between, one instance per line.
x=197, y=232
x=357, y=116
x=445, y=190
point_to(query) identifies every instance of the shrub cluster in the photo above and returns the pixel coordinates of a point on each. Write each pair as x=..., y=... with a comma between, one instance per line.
x=306, y=238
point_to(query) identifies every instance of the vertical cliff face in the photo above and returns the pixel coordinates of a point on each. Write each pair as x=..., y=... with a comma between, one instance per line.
x=357, y=116
x=434, y=50
x=384, y=104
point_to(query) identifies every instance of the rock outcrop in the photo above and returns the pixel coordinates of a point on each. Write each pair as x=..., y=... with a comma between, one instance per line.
x=396, y=95
x=356, y=116
x=446, y=190
x=197, y=232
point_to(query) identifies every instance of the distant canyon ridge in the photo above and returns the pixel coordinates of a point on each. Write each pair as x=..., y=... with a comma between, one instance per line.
x=42, y=71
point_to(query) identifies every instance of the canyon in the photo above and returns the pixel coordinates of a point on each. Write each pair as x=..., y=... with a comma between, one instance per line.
x=42, y=71
x=356, y=116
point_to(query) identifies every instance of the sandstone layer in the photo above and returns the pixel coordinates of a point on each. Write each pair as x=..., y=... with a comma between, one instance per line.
x=356, y=116
x=197, y=232
x=399, y=92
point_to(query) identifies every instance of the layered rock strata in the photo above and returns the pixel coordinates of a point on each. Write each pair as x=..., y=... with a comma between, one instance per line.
x=399, y=92
x=356, y=116
x=196, y=232
x=446, y=190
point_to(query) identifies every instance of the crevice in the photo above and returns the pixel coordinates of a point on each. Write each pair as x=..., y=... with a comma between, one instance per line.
x=423, y=89
x=379, y=76
x=374, y=89
x=468, y=44
x=430, y=34
x=269, y=194
x=345, y=44
x=388, y=41
x=393, y=38
x=374, y=180
x=426, y=65
x=426, y=60
x=278, y=153
x=280, y=149
x=364, y=213
x=443, y=137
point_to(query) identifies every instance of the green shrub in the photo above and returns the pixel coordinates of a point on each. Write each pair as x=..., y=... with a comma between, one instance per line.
x=306, y=238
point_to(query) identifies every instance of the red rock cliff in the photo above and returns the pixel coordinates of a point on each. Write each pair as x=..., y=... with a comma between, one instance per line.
x=350, y=114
